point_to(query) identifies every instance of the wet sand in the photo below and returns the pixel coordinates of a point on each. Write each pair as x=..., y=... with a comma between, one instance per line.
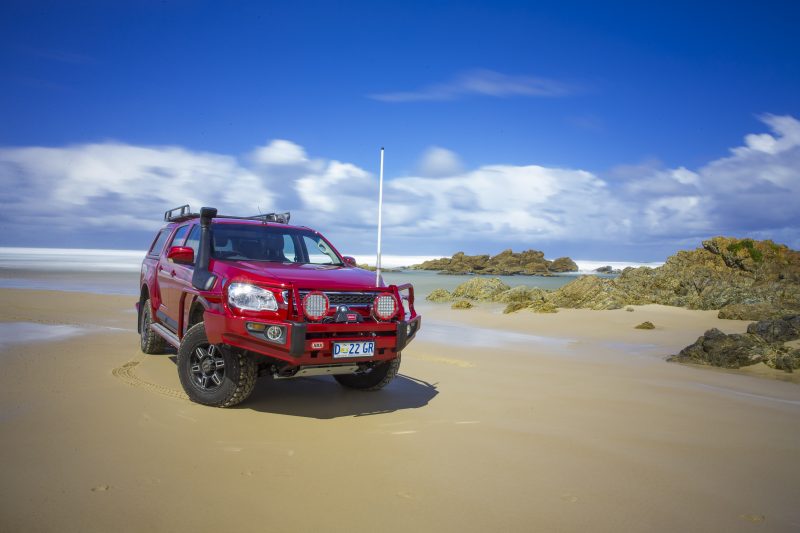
x=565, y=422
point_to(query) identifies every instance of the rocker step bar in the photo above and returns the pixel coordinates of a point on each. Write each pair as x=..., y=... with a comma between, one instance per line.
x=166, y=334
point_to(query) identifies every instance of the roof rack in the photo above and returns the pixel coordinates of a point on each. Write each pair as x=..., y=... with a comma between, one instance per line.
x=280, y=218
x=180, y=214
x=184, y=212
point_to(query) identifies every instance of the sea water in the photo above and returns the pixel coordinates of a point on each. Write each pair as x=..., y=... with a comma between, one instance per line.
x=117, y=271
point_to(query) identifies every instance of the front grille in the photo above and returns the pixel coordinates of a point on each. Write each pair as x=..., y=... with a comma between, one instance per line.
x=350, y=299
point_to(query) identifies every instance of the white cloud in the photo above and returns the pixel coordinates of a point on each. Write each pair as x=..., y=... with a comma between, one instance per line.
x=280, y=152
x=340, y=191
x=119, y=185
x=753, y=191
x=497, y=202
x=437, y=161
x=480, y=83
x=787, y=129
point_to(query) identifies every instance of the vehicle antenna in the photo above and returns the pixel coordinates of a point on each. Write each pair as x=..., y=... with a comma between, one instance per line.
x=380, y=221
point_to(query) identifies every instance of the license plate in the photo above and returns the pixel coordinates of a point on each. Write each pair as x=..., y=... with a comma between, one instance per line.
x=353, y=349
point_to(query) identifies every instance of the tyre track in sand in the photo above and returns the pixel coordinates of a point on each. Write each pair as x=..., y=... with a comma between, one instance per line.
x=127, y=374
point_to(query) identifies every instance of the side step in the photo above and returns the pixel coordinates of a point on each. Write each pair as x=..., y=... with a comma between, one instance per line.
x=166, y=334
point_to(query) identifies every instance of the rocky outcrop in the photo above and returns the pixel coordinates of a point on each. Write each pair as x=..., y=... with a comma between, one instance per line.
x=746, y=278
x=645, y=325
x=506, y=263
x=461, y=304
x=763, y=343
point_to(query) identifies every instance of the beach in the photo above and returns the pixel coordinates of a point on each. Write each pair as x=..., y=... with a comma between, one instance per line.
x=562, y=422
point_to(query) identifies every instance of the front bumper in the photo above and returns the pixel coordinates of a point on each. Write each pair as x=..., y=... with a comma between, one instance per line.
x=311, y=343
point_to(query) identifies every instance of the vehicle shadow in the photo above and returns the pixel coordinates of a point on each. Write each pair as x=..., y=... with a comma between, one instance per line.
x=323, y=398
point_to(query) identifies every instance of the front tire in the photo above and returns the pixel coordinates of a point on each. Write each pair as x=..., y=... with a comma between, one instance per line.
x=212, y=374
x=375, y=378
x=150, y=341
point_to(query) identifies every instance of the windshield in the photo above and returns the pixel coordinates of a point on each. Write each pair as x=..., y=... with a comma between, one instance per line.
x=239, y=242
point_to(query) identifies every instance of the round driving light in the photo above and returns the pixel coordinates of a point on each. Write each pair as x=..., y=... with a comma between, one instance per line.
x=315, y=305
x=274, y=333
x=385, y=306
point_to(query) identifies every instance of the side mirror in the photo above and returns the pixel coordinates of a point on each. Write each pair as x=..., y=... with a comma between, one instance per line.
x=183, y=255
x=349, y=261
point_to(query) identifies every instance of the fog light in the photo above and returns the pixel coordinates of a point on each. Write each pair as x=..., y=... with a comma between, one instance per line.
x=255, y=326
x=315, y=305
x=385, y=307
x=274, y=333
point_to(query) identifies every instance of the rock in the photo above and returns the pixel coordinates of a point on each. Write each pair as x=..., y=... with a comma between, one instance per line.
x=506, y=263
x=728, y=351
x=777, y=330
x=439, y=295
x=788, y=362
x=461, y=304
x=606, y=270
x=513, y=307
x=588, y=292
x=535, y=306
x=646, y=325
x=629, y=309
x=371, y=268
x=480, y=289
x=758, y=311
x=521, y=294
x=563, y=264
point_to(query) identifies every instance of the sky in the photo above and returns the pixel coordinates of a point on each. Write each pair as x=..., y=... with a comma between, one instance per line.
x=598, y=130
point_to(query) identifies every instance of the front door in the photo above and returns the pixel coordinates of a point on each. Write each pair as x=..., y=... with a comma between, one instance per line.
x=169, y=282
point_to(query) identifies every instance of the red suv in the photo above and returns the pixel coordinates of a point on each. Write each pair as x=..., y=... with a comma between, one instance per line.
x=241, y=297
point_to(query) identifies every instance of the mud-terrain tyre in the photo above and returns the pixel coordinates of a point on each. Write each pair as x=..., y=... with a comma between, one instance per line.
x=150, y=342
x=377, y=378
x=214, y=375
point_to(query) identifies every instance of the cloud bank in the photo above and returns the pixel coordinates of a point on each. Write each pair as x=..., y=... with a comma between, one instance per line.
x=123, y=189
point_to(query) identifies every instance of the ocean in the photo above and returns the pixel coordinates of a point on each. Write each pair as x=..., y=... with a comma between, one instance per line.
x=117, y=271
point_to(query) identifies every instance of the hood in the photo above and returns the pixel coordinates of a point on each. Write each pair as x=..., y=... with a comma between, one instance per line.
x=323, y=277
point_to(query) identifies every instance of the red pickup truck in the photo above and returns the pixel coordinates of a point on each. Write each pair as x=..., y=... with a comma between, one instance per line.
x=241, y=297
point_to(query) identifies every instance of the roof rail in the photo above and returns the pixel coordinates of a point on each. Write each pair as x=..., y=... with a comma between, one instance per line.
x=183, y=212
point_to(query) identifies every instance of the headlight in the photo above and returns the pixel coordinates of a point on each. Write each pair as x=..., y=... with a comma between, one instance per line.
x=251, y=298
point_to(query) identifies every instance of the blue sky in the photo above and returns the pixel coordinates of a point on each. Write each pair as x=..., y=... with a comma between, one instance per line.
x=615, y=130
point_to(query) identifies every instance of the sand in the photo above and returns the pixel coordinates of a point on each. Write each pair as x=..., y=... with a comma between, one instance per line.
x=564, y=422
